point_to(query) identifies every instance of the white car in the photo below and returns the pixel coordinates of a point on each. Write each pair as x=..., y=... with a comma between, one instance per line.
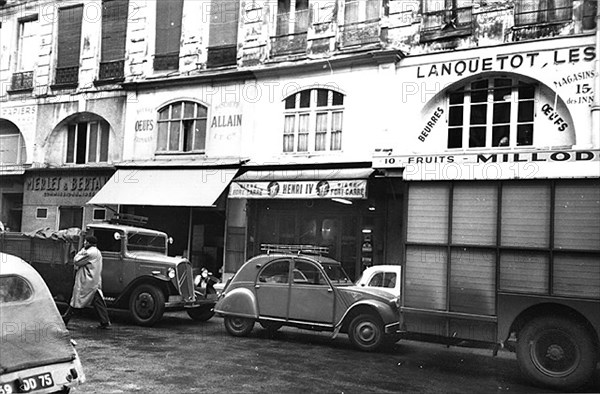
x=385, y=277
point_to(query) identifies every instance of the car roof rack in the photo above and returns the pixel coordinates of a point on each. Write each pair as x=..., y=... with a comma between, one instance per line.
x=128, y=219
x=296, y=249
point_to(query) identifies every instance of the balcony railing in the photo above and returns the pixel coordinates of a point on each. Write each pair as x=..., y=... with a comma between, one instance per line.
x=455, y=22
x=222, y=56
x=67, y=75
x=112, y=70
x=168, y=61
x=22, y=81
x=360, y=33
x=288, y=44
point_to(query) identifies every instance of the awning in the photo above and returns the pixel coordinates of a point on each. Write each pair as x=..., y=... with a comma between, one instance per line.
x=165, y=187
x=346, y=183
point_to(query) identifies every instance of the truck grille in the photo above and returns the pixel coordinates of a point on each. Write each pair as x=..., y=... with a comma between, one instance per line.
x=185, y=281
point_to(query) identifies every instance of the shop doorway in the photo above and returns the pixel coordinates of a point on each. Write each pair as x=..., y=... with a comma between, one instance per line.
x=70, y=217
x=12, y=211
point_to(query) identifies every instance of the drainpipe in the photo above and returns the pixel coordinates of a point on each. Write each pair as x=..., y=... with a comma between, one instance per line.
x=596, y=103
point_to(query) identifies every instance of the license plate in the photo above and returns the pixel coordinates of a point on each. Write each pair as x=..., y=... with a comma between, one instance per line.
x=35, y=382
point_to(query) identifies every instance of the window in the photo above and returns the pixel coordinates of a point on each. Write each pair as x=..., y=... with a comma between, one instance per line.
x=182, y=127
x=222, y=38
x=14, y=288
x=361, y=22
x=168, y=34
x=491, y=112
x=446, y=18
x=41, y=213
x=99, y=214
x=383, y=279
x=275, y=272
x=361, y=10
x=12, y=144
x=528, y=12
x=106, y=240
x=114, y=32
x=292, y=17
x=308, y=273
x=68, y=47
x=87, y=142
x=313, y=121
x=22, y=79
x=70, y=217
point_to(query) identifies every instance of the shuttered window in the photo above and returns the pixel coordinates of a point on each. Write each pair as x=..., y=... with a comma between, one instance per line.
x=474, y=214
x=428, y=218
x=69, y=43
x=524, y=271
x=576, y=275
x=168, y=34
x=114, y=32
x=473, y=281
x=222, y=38
x=526, y=214
x=576, y=218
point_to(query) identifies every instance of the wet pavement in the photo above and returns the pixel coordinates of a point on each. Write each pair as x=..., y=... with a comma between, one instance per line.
x=179, y=355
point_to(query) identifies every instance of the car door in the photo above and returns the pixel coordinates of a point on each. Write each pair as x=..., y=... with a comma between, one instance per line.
x=273, y=289
x=312, y=297
x=112, y=261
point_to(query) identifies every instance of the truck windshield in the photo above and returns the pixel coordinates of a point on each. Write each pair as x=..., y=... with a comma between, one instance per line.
x=336, y=274
x=147, y=242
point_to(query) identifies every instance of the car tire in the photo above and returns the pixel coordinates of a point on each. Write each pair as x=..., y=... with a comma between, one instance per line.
x=203, y=313
x=556, y=352
x=238, y=326
x=147, y=305
x=366, y=332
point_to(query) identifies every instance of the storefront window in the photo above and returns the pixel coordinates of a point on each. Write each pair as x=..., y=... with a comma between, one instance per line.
x=313, y=121
x=87, y=142
x=182, y=127
x=493, y=112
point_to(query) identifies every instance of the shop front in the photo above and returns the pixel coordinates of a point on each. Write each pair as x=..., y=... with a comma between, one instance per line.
x=342, y=209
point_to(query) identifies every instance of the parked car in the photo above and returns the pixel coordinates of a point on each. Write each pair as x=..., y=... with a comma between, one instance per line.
x=310, y=291
x=36, y=352
x=385, y=277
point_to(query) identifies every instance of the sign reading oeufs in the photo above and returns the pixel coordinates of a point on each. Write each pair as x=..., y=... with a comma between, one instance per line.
x=536, y=164
x=347, y=189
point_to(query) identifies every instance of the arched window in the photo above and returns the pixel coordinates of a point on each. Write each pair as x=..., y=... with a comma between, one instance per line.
x=12, y=145
x=492, y=112
x=313, y=121
x=182, y=127
x=87, y=141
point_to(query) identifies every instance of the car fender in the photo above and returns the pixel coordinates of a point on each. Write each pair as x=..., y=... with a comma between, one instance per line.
x=387, y=314
x=238, y=302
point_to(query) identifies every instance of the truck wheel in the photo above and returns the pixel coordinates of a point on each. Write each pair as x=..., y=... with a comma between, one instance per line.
x=366, y=332
x=203, y=313
x=554, y=351
x=238, y=326
x=147, y=304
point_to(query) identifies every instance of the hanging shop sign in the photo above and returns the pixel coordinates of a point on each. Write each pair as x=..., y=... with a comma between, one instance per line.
x=493, y=165
x=347, y=189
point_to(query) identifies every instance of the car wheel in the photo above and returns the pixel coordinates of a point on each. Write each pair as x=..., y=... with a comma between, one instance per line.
x=557, y=352
x=238, y=326
x=271, y=326
x=366, y=332
x=202, y=313
x=147, y=304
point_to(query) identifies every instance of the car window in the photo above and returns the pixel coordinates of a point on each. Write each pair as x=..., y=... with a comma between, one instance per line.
x=107, y=241
x=14, y=288
x=306, y=272
x=275, y=272
x=376, y=280
x=336, y=274
x=383, y=279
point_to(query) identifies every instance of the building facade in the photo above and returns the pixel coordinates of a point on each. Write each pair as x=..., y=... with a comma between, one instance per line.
x=233, y=124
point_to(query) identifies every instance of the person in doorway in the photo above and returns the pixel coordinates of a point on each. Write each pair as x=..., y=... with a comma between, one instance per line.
x=87, y=289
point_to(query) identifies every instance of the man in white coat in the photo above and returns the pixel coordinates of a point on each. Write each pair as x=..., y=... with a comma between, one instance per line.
x=87, y=289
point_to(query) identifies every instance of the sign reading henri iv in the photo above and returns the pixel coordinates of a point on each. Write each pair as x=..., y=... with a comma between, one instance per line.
x=347, y=189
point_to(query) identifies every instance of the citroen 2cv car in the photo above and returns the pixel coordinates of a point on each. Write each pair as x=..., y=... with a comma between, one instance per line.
x=294, y=286
x=36, y=352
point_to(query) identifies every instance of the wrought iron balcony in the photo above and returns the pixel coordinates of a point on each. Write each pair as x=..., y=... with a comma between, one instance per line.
x=455, y=22
x=360, y=33
x=222, y=56
x=169, y=61
x=67, y=75
x=22, y=81
x=112, y=70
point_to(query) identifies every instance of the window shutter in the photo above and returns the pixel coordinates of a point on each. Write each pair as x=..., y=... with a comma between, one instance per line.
x=224, y=16
x=474, y=214
x=114, y=29
x=577, y=216
x=168, y=26
x=69, y=36
x=429, y=205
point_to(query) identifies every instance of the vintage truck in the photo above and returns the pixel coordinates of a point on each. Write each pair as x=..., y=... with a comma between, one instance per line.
x=138, y=275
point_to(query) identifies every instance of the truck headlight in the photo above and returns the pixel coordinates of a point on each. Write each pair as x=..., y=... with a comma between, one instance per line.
x=171, y=273
x=197, y=280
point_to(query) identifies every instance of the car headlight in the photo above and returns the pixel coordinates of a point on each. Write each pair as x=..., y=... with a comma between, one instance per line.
x=171, y=273
x=395, y=302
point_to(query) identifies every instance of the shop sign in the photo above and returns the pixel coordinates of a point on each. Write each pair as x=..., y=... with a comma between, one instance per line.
x=348, y=189
x=493, y=165
x=64, y=186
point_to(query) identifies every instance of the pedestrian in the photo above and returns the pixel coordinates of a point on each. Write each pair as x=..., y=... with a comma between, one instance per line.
x=87, y=289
